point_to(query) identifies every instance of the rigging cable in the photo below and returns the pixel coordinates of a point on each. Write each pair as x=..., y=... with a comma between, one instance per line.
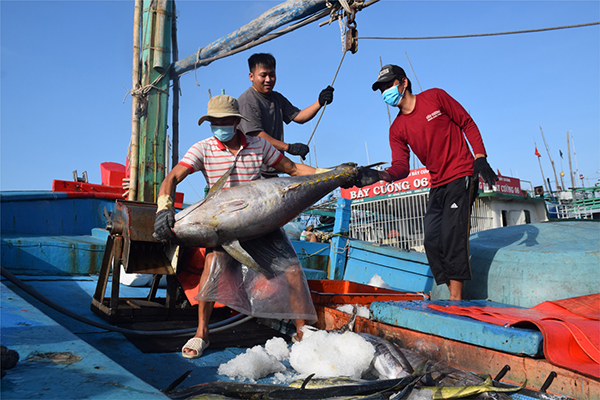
x=480, y=34
x=346, y=45
x=325, y=105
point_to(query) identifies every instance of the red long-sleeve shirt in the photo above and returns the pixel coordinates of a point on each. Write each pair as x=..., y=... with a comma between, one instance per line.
x=434, y=132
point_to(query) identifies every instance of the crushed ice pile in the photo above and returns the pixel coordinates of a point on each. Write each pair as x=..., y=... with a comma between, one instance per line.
x=362, y=311
x=326, y=354
x=378, y=281
x=258, y=361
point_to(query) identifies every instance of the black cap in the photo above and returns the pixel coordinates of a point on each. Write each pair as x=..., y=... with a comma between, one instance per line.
x=388, y=73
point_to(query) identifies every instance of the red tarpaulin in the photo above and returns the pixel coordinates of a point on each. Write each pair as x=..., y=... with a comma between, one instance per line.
x=571, y=328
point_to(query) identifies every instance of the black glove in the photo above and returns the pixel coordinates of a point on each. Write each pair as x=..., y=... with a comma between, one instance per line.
x=326, y=96
x=163, y=224
x=366, y=177
x=298, y=149
x=481, y=167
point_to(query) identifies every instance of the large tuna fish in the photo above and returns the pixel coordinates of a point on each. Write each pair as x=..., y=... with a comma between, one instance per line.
x=250, y=210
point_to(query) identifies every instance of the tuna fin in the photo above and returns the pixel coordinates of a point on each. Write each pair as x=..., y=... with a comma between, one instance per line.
x=214, y=189
x=221, y=182
x=235, y=250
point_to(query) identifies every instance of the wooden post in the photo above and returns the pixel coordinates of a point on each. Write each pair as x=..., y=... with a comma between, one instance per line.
x=133, y=155
x=156, y=41
x=175, y=150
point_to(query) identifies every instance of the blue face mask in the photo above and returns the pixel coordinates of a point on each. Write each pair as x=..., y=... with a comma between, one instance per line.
x=223, y=133
x=392, y=96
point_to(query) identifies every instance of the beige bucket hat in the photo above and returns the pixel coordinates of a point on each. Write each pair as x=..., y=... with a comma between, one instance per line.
x=222, y=106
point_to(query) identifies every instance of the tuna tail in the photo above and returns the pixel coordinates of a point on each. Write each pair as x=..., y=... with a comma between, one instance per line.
x=456, y=392
x=403, y=360
x=349, y=326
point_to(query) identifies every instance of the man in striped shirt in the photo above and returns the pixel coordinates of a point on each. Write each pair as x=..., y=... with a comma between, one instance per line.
x=228, y=149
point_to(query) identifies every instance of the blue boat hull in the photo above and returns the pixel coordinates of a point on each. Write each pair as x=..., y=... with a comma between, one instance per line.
x=525, y=265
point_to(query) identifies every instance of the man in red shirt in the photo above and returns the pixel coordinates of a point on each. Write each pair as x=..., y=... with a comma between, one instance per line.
x=227, y=149
x=436, y=127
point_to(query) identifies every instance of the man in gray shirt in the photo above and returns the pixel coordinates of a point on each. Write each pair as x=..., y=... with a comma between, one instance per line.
x=267, y=110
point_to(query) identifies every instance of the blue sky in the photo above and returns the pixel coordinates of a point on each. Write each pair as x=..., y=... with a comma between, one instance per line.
x=66, y=68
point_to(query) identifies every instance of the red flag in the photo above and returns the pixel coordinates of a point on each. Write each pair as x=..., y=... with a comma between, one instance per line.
x=537, y=153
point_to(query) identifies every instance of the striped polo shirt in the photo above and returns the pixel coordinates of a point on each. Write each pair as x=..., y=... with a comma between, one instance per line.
x=214, y=159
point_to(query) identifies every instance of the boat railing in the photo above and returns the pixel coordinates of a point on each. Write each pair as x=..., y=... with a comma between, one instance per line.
x=584, y=204
x=399, y=221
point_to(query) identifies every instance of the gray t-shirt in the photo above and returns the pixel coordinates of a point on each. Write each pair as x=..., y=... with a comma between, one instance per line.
x=266, y=113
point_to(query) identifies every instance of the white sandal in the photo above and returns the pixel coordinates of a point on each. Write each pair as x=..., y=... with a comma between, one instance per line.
x=197, y=344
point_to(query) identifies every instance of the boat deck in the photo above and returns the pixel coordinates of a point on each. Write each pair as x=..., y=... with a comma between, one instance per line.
x=64, y=358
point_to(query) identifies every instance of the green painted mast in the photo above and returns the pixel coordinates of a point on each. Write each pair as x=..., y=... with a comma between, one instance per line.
x=154, y=97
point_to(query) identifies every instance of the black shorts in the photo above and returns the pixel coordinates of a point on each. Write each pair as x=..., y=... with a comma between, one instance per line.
x=447, y=227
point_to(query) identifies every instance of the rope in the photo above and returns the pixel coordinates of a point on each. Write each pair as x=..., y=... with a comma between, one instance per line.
x=315, y=253
x=479, y=34
x=325, y=105
x=144, y=90
x=196, y=65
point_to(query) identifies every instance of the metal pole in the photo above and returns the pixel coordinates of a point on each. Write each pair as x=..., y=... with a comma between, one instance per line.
x=135, y=115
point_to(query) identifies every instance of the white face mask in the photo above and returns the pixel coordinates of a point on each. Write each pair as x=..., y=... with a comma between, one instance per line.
x=223, y=133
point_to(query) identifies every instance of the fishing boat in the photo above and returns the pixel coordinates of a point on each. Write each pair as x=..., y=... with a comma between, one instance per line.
x=80, y=333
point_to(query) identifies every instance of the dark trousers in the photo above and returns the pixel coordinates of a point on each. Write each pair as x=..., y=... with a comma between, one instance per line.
x=447, y=226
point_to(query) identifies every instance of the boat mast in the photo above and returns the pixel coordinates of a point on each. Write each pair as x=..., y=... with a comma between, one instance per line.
x=176, y=92
x=573, y=186
x=541, y=170
x=549, y=156
x=576, y=166
x=154, y=96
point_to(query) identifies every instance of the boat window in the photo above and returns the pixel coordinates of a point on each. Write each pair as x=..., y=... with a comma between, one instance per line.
x=527, y=216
